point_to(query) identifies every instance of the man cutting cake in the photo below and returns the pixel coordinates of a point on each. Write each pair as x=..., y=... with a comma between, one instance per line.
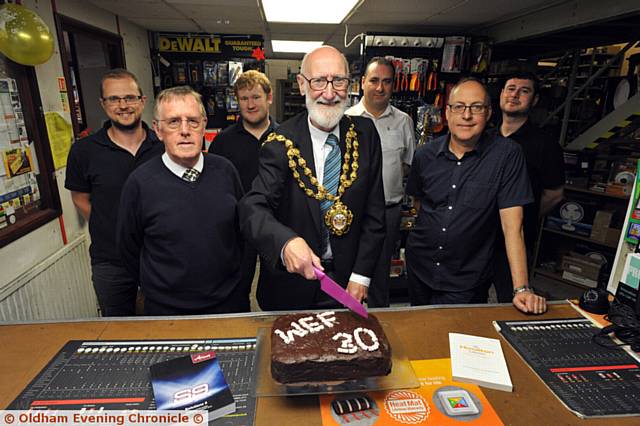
x=318, y=198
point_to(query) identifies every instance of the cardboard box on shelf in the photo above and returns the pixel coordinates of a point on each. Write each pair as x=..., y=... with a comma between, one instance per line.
x=581, y=265
x=579, y=279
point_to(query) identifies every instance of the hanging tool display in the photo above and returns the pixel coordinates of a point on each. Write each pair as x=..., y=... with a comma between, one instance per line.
x=438, y=122
x=406, y=70
x=416, y=84
x=397, y=65
x=414, y=81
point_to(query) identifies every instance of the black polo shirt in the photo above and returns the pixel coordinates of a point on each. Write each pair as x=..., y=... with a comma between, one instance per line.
x=240, y=147
x=545, y=165
x=96, y=165
x=451, y=247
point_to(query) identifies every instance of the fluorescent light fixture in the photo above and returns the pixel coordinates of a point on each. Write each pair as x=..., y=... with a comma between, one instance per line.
x=292, y=46
x=307, y=11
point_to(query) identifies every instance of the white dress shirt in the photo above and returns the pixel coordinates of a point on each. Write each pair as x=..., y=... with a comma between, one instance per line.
x=398, y=141
x=179, y=170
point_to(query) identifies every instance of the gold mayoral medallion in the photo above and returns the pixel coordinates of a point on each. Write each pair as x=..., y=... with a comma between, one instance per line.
x=338, y=217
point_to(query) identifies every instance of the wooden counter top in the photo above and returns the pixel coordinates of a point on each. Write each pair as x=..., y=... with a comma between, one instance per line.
x=26, y=348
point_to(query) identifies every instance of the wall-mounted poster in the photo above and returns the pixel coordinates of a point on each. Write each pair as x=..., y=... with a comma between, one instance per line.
x=12, y=124
x=60, y=137
x=17, y=161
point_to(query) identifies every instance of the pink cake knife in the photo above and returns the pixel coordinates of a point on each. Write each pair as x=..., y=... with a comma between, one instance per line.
x=334, y=290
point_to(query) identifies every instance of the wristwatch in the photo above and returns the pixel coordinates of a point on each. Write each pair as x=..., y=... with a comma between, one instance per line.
x=522, y=289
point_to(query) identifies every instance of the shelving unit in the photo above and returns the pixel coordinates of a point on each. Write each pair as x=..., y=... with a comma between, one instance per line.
x=579, y=237
x=597, y=193
x=554, y=243
x=557, y=277
x=289, y=102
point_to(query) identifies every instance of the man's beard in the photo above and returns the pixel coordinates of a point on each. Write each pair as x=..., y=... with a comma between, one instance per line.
x=127, y=127
x=326, y=116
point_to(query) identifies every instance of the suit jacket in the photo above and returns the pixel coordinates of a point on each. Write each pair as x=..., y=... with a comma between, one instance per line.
x=276, y=210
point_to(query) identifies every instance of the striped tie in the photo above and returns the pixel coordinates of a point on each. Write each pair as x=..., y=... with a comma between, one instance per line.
x=331, y=171
x=330, y=183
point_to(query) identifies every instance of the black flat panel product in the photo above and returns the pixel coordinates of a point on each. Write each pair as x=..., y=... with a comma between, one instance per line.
x=114, y=375
x=590, y=380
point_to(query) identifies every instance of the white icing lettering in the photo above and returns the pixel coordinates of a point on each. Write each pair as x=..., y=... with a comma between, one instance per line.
x=297, y=330
x=309, y=324
x=374, y=339
x=327, y=318
x=306, y=325
x=287, y=339
x=347, y=346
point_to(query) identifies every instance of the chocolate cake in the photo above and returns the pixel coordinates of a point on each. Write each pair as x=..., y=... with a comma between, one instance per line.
x=328, y=346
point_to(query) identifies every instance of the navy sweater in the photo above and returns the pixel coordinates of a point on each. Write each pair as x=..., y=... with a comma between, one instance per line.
x=181, y=238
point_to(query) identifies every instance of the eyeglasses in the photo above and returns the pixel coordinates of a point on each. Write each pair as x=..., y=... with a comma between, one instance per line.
x=320, y=83
x=176, y=123
x=473, y=108
x=115, y=100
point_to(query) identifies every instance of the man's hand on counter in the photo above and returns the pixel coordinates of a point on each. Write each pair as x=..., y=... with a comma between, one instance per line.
x=530, y=303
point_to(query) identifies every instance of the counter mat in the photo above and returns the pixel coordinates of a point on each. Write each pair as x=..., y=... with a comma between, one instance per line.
x=589, y=379
x=114, y=375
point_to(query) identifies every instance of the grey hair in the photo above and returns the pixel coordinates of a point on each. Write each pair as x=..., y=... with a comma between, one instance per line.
x=179, y=92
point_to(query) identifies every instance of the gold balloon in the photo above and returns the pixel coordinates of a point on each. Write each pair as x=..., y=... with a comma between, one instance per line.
x=24, y=37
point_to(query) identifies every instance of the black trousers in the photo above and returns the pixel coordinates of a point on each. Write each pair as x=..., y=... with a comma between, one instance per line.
x=502, y=281
x=237, y=301
x=421, y=294
x=115, y=289
x=378, y=295
x=502, y=276
x=248, y=267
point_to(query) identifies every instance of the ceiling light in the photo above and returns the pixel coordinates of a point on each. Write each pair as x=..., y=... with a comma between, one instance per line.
x=292, y=46
x=307, y=11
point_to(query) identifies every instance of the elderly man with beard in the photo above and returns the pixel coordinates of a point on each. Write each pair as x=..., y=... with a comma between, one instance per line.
x=318, y=198
x=97, y=168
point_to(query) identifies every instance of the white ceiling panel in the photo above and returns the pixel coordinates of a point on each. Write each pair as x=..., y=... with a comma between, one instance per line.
x=439, y=17
x=169, y=25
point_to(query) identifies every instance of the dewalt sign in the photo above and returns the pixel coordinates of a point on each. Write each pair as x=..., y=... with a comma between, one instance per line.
x=189, y=44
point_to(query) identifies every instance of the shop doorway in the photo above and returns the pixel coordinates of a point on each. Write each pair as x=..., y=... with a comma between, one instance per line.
x=87, y=53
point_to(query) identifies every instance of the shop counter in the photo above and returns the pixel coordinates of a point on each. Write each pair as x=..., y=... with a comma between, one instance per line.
x=27, y=347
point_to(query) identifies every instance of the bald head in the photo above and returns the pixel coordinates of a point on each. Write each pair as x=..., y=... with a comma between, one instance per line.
x=321, y=54
x=468, y=110
x=469, y=82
